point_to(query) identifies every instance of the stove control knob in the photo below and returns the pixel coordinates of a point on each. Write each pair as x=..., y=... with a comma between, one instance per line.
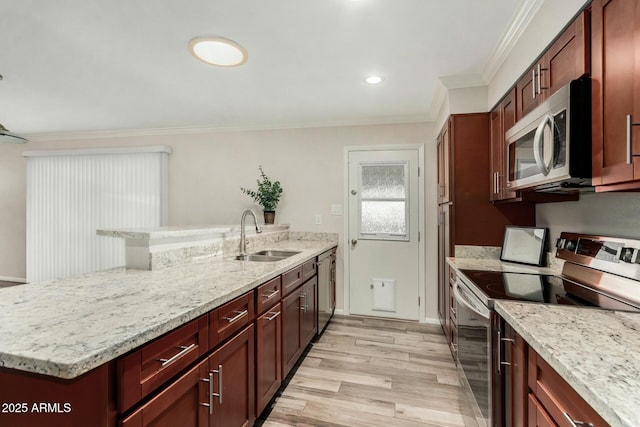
x=627, y=254
x=570, y=244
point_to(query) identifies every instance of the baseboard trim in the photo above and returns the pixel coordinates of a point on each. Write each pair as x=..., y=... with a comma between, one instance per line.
x=13, y=279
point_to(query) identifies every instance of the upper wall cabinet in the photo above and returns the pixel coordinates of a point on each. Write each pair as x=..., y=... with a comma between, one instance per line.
x=616, y=94
x=444, y=172
x=566, y=59
x=502, y=117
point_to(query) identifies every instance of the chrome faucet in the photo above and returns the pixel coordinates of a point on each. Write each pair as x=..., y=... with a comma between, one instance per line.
x=243, y=237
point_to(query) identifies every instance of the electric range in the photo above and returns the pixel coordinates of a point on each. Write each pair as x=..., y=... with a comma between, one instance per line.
x=599, y=272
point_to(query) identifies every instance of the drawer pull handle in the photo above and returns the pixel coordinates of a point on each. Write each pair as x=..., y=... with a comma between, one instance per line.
x=271, y=295
x=273, y=316
x=576, y=423
x=219, y=393
x=183, y=350
x=210, y=381
x=239, y=315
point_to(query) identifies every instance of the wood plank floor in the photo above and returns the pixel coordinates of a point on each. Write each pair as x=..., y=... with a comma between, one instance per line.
x=378, y=373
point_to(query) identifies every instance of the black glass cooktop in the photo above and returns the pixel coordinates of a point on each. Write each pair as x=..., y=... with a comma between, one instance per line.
x=521, y=286
x=545, y=289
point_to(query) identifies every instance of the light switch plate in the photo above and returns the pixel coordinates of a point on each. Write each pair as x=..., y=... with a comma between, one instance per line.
x=336, y=209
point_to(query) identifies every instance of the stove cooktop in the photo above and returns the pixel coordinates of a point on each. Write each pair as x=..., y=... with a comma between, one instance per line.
x=539, y=288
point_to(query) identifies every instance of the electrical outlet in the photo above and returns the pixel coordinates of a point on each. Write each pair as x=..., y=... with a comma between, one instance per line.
x=336, y=209
x=318, y=219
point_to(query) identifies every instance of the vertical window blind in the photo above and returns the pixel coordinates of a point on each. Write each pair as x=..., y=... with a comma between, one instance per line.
x=72, y=193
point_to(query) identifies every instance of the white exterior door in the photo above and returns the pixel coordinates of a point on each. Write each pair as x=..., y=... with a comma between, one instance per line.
x=382, y=239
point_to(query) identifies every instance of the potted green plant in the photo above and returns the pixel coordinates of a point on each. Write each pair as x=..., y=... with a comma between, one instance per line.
x=267, y=195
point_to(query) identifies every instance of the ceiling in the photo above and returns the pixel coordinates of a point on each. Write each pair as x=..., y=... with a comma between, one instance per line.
x=96, y=65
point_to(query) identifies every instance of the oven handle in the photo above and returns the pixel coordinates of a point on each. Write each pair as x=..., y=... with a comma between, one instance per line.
x=538, y=146
x=462, y=299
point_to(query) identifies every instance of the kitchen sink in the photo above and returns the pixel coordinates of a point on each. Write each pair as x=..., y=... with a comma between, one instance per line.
x=283, y=254
x=259, y=258
x=267, y=256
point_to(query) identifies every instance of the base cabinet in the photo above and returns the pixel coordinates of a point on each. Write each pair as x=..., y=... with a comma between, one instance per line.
x=268, y=356
x=218, y=392
x=308, y=311
x=182, y=403
x=533, y=393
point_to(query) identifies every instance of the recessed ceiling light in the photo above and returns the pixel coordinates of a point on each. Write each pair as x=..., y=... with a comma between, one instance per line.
x=373, y=80
x=218, y=51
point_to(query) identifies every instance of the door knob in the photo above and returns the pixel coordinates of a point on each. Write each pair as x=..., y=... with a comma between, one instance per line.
x=354, y=192
x=354, y=241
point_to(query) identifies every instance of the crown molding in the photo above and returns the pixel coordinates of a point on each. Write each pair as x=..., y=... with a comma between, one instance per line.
x=521, y=20
x=189, y=130
x=439, y=96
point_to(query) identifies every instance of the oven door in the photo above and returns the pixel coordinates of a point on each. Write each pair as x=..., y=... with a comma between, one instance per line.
x=474, y=349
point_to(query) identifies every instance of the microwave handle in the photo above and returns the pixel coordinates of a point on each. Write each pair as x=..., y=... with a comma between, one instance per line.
x=538, y=146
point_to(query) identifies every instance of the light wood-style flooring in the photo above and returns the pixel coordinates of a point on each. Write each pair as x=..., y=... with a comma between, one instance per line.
x=374, y=373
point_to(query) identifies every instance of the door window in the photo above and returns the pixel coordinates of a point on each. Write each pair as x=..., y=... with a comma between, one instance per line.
x=383, y=200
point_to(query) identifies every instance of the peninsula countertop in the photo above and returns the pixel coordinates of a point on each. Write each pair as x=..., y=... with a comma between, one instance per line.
x=594, y=350
x=65, y=328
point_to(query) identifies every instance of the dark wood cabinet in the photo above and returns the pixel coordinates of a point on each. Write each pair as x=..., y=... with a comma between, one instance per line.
x=291, y=331
x=502, y=118
x=230, y=318
x=180, y=404
x=299, y=323
x=308, y=312
x=268, y=356
x=444, y=250
x=566, y=59
x=143, y=371
x=514, y=374
x=233, y=369
x=444, y=173
x=469, y=217
x=554, y=402
x=615, y=94
x=532, y=393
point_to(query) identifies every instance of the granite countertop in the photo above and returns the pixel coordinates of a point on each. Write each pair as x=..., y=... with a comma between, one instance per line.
x=68, y=327
x=594, y=350
x=194, y=231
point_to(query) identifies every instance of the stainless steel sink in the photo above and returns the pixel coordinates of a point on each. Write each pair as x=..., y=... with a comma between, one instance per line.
x=259, y=258
x=283, y=254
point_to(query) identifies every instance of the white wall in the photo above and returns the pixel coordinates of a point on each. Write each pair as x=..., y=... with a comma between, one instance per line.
x=609, y=214
x=207, y=170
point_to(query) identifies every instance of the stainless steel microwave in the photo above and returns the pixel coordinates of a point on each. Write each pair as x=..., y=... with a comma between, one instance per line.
x=549, y=149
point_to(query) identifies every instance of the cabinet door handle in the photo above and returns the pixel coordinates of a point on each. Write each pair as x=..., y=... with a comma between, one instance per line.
x=210, y=381
x=219, y=393
x=539, y=79
x=183, y=350
x=271, y=295
x=273, y=316
x=533, y=82
x=575, y=423
x=499, y=350
x=303, y=304
x=630, y=126
x=239, y=315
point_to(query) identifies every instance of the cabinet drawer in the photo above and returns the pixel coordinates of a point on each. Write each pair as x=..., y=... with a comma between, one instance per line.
x=181, y=403
x=291, y=280
x=309, y=269
x=268, y=294
x=230, y=318
x=147, y=368
x=538, y=417
x=557, y=397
